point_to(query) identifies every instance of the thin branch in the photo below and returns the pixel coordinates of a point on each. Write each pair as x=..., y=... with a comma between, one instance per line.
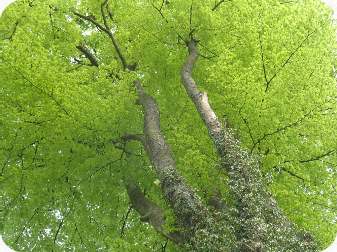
x=283, y=128
x=51, y=21
x=20, y=192
x=91, y=20
x=78, y=233
x=16, y=25
x=186, y=41
x=127, y=214
x=215, y=55
x=110, y=13
x=318, y=157
x=163, y=247
x=303, y=161
x=249, y=247
x=287, y=171
x=205, y=57
x=326, y=162
x=217, y=5
x=320, y=61
x=288, y=59
x=244, y=119
x=37, y=87
x=191, y=13
x=9, y=157
x=292, y=174
x=286, y=2
x=159, y=10
x=160, y=40
x=58, y=230
x=25, y=227
x=263, y=65
x=247, y=125
x=103, y=14
x=108, y=31
x=98, y=169
x=80, y=65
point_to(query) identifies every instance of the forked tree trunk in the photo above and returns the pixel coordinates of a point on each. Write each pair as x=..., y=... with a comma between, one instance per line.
x=252, y=222
x=254, y=205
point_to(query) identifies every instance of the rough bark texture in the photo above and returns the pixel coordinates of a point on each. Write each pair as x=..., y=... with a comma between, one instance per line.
x=150, y=211
x=255, y=206
x=199, y=98
x=185, y=204
x=252, y=216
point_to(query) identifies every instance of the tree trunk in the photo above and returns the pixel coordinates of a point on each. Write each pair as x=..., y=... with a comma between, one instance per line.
x=252, y=222
x=247, y=186
x=185, y=204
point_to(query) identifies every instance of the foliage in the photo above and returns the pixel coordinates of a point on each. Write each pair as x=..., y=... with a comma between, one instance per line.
x=267, y=66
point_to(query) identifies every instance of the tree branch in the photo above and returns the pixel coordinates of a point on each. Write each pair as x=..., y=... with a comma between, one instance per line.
x=58, y=230
x=318, y=157
x=150, y=211
x=283, y=128
x=16, y=25
x=303, y=161
x=140, y=138
x=91, y=20
x=106, y=30
x=242, y=168
x=217, y=5
x=103, y=14
x=109, y=12
x=41, y=90
x=88, y=55
x=263, y=65
x=159, y=10
x=291, y=173
x=186, y=206
x=199, y=98
x=124, y=222
x=290, y=56
x=78, y=233
x=25, y=227
x=97, y=170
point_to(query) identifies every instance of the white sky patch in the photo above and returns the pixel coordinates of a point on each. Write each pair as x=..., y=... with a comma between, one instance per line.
x=333, y=5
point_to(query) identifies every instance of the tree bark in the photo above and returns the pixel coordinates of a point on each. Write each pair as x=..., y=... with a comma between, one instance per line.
x=185, y=204
x=150, y=211
x=246, y=184
x=199, y=98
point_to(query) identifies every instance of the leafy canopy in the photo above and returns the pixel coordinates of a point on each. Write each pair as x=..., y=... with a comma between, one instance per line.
x=267, y=66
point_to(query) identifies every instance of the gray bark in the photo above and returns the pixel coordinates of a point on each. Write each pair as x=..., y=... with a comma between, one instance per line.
x=252, y=197
x=185, y=204
x=150, y=211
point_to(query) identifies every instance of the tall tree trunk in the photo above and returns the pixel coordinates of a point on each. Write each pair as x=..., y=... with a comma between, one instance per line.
x=253, y=218
x=254, y=203
x=253, y=222
x=185, y=204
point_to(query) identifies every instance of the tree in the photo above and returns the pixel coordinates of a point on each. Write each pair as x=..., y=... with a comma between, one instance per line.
x=242, y=157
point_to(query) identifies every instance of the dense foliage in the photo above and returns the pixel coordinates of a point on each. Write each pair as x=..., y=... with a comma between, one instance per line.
x=79, y=76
